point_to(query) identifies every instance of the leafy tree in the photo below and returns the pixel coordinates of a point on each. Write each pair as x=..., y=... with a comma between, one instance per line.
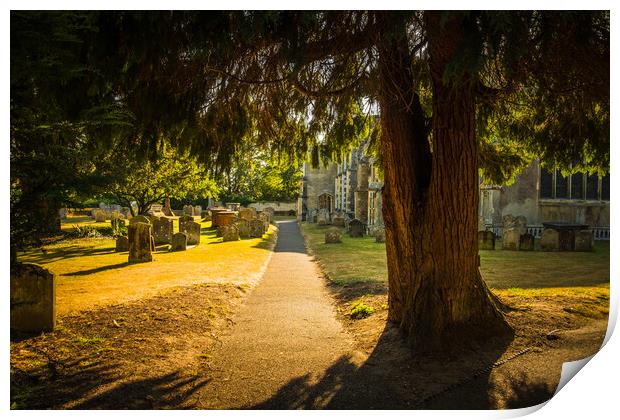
x=443, y=82
x=172, y=174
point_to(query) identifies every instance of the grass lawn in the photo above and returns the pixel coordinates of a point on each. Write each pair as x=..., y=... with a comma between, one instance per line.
x=520, y=276
x=90, y=273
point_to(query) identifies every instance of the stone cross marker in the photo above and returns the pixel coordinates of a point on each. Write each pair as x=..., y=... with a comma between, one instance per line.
x=139, y=242
x=33, y=298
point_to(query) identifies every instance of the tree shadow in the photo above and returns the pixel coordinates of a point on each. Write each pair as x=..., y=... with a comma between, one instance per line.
x=73, y=382
x=97, y=269
x=64, y=253
x=394, y=378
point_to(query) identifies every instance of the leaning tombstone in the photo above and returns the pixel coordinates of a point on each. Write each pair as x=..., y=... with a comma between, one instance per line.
x=584, y=240
x=33, y=298
x=191, y=229
x=162, y=230
x=122, y=244
x=332, y=236
x=179, y=242
x=510, y=239
x=257, y=228
x=139, y=235
x=357, y=228
x=486, y=240
x=550, y=240
x=526, y=242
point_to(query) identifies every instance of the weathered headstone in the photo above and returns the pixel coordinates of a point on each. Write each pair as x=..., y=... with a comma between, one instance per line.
x=323, y=217
x=179, y=242
x=265, y=219
x=380, y=235
x=338, y=221
x=332, y=236
x=230, y=233
x=33, y=298
x=122, y=244
x=214, y=213
x=550, y=240
x=163, y=230
x=223, y=218
x=257, y=228
x=63, y=212
x=100, y=216
x=140, y=219
x=486, y=240
x=233, y=206
x=197, y=211
x=510, y=239
x=244, y=227
x=584, y=240
x=188, y=210
x=167, y=209
x=271, y=211
x=526, y=242
x=139, y=242
x=191, y=229
x=511, y=222
x=357, y=228
x=247, y=214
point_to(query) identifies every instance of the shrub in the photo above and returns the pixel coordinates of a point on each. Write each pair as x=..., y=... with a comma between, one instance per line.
x=361, y=310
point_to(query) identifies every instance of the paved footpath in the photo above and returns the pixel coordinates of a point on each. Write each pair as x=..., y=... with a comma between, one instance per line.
x=285, y=337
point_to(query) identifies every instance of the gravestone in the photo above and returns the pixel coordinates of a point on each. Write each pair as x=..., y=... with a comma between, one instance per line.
x=244, y=227
x=511, y=222
x=233, y=206
x=100, y=216
x=357, y=228
x=191, y=229
x=224, y=218
x=584, y=240
x=33, y=298
x=380, y=235
x=163, y=230
x=140, y=219
x=179, y=242
x=214, y=213
x=264, y=217
x=332, y=236
x=205, y=215
x=152, y=218
x=63, y=212
x=140, y=245
x=257, y=228
x=486, y=240
x=122, y=244
x=323, y=217
x=188, y=210
x=230, y=233
x=247, y=214
x=197, y=211
x=338, y=221
x=510, y=239
x=526, y=242
x=550, y=240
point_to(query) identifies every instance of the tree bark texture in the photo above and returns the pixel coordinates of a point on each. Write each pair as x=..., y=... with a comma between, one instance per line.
x=430, y=199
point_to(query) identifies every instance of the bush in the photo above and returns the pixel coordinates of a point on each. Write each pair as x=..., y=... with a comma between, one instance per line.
x=361, y=310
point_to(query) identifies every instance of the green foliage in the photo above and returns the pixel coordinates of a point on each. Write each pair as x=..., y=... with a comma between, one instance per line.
x=361, y=310
x=127, y=178
x=118, y=227
x=85, y=232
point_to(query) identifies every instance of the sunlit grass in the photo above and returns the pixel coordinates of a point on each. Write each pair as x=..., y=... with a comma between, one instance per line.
x=90, y=273
x=364, y=260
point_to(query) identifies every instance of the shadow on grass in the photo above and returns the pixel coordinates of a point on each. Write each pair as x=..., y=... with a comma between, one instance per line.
x=97, y=269
x=63, y=253
x=74, y=382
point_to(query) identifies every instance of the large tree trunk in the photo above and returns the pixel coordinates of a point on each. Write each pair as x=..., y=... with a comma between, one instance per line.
x=430, y=202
